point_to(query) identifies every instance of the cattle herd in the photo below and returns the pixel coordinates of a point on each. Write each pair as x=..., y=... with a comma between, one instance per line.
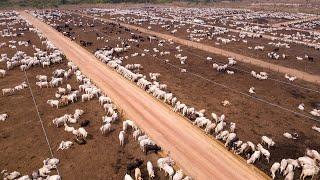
x=268, y=118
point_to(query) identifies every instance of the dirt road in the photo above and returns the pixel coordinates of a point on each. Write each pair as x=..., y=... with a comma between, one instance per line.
x=296, y=21
x=197, y=154
x=268, y=37
x=260, y=63
x=285, y=24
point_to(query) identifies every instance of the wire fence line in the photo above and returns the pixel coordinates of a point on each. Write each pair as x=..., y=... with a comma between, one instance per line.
x=222, y=85
x=201, y=46
x=249, y=72
x=40, y=119
x=37, y=110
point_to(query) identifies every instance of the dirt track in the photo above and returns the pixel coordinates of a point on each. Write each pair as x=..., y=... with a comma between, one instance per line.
x=23, y=145
x=277, y=68
x=173, y=133
x=296, y=21
x=287, y=23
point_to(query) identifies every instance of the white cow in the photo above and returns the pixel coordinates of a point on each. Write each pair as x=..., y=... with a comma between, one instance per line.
x=121, y=138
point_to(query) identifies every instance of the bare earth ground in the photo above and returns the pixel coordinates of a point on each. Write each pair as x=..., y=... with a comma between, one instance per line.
x=178, y=137
x=233, y=48
x=242, y=48
x=184, y=93
x=22, y=143
x=253, y=119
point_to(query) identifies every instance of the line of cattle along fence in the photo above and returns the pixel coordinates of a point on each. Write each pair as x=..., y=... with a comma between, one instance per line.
x=224, y=86
x=272, y=67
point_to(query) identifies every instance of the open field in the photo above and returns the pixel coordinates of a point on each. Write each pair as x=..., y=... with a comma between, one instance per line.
x=277, y=106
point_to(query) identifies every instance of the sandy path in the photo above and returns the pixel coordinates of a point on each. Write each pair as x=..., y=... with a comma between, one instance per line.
x=246, y=59
x=268, y=37
x=197, y=154
x=296, y=21
x=285, y=24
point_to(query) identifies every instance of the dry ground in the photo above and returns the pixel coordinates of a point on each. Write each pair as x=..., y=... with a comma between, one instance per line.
x=242, y=48
x=253, y=118
x=22, y=142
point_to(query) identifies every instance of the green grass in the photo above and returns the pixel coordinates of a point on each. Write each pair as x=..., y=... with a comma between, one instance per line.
x=5, y=3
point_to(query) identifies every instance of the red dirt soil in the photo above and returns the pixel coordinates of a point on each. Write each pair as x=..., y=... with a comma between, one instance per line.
x=153, y=121
x=253, y=119
x=22, y=143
